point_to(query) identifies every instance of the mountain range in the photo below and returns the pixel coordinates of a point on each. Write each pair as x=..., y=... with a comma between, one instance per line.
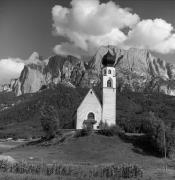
x=137, y=70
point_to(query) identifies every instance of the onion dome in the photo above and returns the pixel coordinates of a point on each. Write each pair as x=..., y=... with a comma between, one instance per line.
x=108, y=59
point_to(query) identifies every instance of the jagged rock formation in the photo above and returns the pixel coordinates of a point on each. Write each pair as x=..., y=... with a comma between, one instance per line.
x=9, y=87
x=39, y=74
x=136, y=70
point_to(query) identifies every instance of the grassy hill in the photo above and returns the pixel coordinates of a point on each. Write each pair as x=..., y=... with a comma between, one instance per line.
x=90, y=151
x=93, y=149
x=22, y=117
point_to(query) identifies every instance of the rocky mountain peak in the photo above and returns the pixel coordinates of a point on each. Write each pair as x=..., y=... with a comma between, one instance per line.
x=136, y=70
x=35, y=58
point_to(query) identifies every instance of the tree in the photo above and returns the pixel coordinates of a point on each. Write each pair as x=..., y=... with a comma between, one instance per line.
x=49, y=120
x=154, y=127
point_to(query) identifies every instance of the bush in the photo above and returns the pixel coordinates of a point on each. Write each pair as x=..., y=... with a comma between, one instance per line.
x=132, y=124
x=161, y=137
x=109, y=130
x=158, y=134
x=49, y=120
x=170, y=142
x=81, y=133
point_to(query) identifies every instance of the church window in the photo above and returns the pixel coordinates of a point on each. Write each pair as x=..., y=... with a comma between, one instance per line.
x=91, y=116
x=109, y=83
x=109, y=71
x=104, y=72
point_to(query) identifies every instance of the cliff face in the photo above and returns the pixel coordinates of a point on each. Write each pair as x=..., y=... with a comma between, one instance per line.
x=136, y=70
x=37, y=74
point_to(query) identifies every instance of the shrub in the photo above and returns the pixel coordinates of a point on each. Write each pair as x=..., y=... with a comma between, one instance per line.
x=106, y=130
x=49, y=120
x=158, y=134
x=81, y=133
x=131, y=124
x=161, y=137
x=170, y=142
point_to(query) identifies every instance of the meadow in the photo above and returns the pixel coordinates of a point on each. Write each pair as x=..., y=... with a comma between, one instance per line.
x=90, y=157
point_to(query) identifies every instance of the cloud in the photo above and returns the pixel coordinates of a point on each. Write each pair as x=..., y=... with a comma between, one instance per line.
x=154, y=34
x=89, y=23
x=10, y=68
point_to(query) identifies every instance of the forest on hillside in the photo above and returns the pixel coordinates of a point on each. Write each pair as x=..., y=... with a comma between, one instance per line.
x=23, y=118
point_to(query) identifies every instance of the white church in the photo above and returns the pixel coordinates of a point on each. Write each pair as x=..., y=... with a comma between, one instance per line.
x=91, y=108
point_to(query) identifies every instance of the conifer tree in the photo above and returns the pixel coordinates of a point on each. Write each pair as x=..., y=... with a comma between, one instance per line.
x=49, y=120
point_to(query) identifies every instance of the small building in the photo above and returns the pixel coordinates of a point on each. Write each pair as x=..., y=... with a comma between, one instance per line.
x=91, y=109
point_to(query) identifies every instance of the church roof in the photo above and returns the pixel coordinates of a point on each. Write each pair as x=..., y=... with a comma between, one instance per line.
x=97, y=93
x=93, y=91
x=108, y=59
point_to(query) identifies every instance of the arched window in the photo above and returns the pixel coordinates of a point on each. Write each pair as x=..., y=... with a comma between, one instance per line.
x=91, y=116
x=109, y=83
x=109, y=71
x=104, y=72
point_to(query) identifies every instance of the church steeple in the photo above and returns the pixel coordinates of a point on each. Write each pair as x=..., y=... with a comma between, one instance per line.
x=109, y=89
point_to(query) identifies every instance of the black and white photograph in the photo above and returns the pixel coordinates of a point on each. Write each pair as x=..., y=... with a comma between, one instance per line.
x=87, y=89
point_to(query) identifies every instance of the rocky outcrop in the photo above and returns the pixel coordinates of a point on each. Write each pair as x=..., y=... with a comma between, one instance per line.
x=9, y=86
x=5, y=88
x=136, y=70
x=39, y=74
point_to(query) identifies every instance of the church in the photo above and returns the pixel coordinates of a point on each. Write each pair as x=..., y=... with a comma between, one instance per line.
x=91, y=109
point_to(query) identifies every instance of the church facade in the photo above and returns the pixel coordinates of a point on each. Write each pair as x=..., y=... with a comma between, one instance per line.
x=91, y=109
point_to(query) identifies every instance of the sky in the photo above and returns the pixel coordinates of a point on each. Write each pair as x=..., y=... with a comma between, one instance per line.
x=78, y=27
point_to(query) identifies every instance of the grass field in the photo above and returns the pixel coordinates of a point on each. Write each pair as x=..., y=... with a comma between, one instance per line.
x=91, y=150
x=94, y=149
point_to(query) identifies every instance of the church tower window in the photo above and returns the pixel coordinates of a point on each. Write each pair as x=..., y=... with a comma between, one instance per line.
x=109, y=83
x=104, y=72
x=109, y=71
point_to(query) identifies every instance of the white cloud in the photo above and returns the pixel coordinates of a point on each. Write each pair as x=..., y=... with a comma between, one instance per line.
x=166, y=46
x=154, y=34
x=89, y=23
x=10, y=68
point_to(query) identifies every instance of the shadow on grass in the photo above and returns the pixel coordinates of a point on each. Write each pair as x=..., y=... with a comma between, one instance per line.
x=58, y=139
x=141, y=144
x=36, y=142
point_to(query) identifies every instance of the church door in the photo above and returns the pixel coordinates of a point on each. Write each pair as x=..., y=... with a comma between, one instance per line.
x=91, y=116
x=89, y=123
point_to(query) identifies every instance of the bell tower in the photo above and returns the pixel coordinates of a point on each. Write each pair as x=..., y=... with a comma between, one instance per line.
x=109, y=89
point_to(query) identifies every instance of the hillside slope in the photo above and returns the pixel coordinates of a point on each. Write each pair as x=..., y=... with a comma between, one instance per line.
x=91, y=149
x=23, y=118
